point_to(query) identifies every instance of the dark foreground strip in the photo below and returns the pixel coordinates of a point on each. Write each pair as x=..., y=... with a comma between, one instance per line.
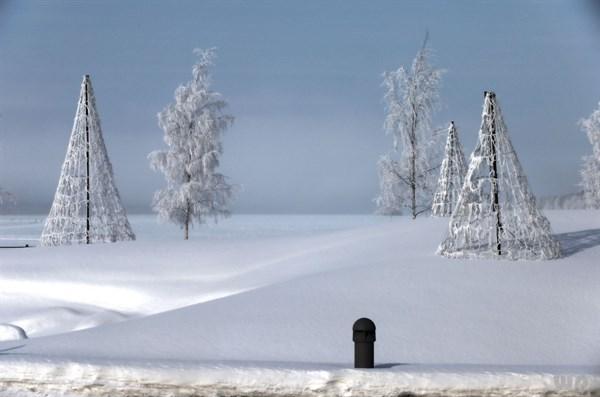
x=101, y=389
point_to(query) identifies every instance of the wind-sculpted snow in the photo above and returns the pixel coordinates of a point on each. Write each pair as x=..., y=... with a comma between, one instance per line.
x=56, y=290
x=11, y=332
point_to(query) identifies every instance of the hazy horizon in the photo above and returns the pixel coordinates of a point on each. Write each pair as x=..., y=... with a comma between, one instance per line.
x=303, y=80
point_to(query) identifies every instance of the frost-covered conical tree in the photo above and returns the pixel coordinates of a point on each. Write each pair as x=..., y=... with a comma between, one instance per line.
x=452, y=173
x=590, y=173
x=496, y=214
x=87, y=207
x=193, y=127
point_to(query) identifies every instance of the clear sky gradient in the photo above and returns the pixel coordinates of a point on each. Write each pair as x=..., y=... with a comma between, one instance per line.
x=303, y=79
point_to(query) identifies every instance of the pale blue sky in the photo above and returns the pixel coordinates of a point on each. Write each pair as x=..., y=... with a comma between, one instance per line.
x=303, y=80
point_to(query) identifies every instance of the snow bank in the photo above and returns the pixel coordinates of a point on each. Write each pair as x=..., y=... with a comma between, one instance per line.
x=116, y=379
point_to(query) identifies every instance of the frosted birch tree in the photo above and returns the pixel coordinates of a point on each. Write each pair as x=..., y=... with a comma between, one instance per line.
x=87, y=207
x=193, y=126
x=6, y=198
x=452, y=173
x=590, y=172
x=410, y=98
x=496, y=215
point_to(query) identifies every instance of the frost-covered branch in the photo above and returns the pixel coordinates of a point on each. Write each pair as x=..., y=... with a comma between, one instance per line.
x=389, y=200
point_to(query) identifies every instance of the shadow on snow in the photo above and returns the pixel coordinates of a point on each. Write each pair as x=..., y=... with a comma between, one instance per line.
x=10, y=349
x=574, y=242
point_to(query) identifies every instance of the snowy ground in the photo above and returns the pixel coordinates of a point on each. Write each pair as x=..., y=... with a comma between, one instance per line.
x=261, y=301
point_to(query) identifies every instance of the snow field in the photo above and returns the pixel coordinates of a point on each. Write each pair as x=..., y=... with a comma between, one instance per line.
x=273, y=311
x=61, y=289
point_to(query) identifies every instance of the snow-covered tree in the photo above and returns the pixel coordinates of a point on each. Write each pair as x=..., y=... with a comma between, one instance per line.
x=410, y=97
x=590, y=173
x=6, y=198
x=389, y=200
x=193, y=126
x=496, y=214
x=452, y=173
x=87, y=207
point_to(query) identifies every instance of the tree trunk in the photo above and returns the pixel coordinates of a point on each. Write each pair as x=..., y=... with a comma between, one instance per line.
x=188, y=212
x=413, y=186
x=87, y=161
x=413, y=169
x=186, y=227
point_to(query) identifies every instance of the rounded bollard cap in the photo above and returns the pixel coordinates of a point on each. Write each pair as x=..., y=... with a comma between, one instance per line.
x=363, y=330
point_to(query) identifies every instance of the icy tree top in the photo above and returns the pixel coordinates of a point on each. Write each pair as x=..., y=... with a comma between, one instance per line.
x=193, y=126
x=410, y=98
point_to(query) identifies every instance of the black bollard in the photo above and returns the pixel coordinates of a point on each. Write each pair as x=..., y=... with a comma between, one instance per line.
x=363, y=335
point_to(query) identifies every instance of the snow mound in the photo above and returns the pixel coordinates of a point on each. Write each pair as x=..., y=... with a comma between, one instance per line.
x=11, y=332
x=65, y=319
x=49, y=291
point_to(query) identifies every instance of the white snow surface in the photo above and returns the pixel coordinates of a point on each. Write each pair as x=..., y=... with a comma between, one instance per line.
x=272, y=299
x=11, y=332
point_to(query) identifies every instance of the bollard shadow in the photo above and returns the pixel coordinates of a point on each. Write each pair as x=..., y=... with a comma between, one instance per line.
x=389, y=365
x=574, y=242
